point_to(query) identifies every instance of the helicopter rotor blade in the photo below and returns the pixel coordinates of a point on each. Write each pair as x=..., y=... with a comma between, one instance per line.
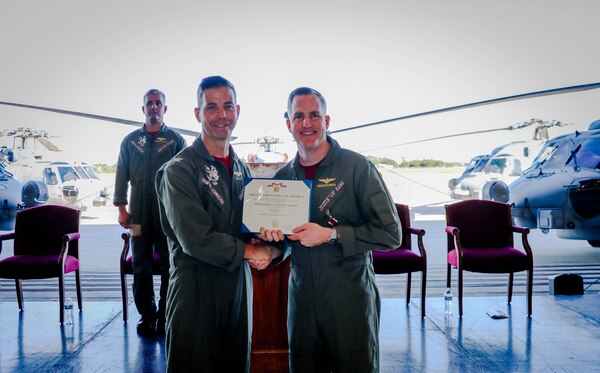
x=48, y=144
x=436, y=138
x=548, y=92
x=538, y=122
x=243, y=143
x=128, y=122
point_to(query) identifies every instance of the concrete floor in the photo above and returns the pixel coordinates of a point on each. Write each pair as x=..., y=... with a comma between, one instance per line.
x=563, y=335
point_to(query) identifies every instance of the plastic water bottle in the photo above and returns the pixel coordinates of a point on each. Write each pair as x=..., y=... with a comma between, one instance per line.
x=69, y=320
x=448, y=302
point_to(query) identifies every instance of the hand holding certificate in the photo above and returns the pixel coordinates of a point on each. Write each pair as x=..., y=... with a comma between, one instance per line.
x=276, y=204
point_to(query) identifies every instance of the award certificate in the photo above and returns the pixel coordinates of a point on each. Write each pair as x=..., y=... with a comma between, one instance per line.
x=275, y=204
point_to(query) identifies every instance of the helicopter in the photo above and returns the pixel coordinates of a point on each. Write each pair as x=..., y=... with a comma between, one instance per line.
x=266, y=160
x=15, y=196
x=58, y=182
x=528, y=189
x=502, y=166
x=476, y=164
x=561, y=189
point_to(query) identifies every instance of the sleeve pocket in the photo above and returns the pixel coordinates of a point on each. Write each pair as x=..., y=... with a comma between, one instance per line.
x=381, y=209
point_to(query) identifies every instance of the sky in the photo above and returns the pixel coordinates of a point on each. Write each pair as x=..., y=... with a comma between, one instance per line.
x=372, y=60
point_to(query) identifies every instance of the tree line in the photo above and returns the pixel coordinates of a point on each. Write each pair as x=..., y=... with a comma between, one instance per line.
x=416, y=163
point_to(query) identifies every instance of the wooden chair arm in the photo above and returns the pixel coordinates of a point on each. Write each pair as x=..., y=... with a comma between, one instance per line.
x=416, y=231
x=125, y=252
x=65, y=246
x=454, y=235
x=420, y=233
x=71, y=237
x=524, y=233
x=451, y=230
x=518, y=229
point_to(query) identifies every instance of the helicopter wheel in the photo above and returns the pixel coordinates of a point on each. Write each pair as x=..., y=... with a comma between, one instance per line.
x=594, y=243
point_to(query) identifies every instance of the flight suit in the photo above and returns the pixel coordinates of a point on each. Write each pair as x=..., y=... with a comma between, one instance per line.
x=334, y=304
x=209, y=302
x=140, y=157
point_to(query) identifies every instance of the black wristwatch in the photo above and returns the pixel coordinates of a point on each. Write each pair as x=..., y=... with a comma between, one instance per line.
x=333, y=236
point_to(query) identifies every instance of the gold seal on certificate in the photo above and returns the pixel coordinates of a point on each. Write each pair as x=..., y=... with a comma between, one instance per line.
x=275, y=204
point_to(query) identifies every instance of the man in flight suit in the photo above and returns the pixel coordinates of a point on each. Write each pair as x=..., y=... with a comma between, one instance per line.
x=209, y=304
x=142, y=153
x=334, y=304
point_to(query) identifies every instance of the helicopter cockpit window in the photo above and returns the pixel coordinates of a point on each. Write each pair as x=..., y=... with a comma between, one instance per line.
x=588, y=155
x=553, y=156
x=480, y=165
x=50, y=177
x=496, y=165
x=81, y=172
x=68, y=174
x=90, y=171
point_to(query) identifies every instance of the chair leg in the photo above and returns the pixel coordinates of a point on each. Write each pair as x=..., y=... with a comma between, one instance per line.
x=408, y=280
x=19, y=293
x=510, y=286
x=460, y=292
x=124, y=295
x=529, y=291
x=448, y=274
x=78, y=287
x=423, y=291
x=61, y=297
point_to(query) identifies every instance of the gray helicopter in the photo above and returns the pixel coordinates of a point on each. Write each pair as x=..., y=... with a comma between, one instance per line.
x=561, y=189
x=502, y=166
x=15, y=195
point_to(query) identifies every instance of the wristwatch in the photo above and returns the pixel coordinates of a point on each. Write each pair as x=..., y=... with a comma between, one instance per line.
x=333, y=236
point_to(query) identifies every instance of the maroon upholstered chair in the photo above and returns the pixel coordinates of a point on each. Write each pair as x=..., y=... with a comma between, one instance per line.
x=127, y=269
x=46, y=245
x=403, y=259
x=480, y=239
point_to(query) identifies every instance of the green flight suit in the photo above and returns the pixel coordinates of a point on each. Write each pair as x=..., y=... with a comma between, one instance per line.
x=334, y=304
x=209, y=302
x=140, y=156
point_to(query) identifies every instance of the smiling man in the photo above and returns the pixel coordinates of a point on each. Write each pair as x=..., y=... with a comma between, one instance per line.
x=209, y=304
x=334, y=304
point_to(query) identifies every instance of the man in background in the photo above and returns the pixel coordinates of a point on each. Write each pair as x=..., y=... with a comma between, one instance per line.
x=142, y=153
